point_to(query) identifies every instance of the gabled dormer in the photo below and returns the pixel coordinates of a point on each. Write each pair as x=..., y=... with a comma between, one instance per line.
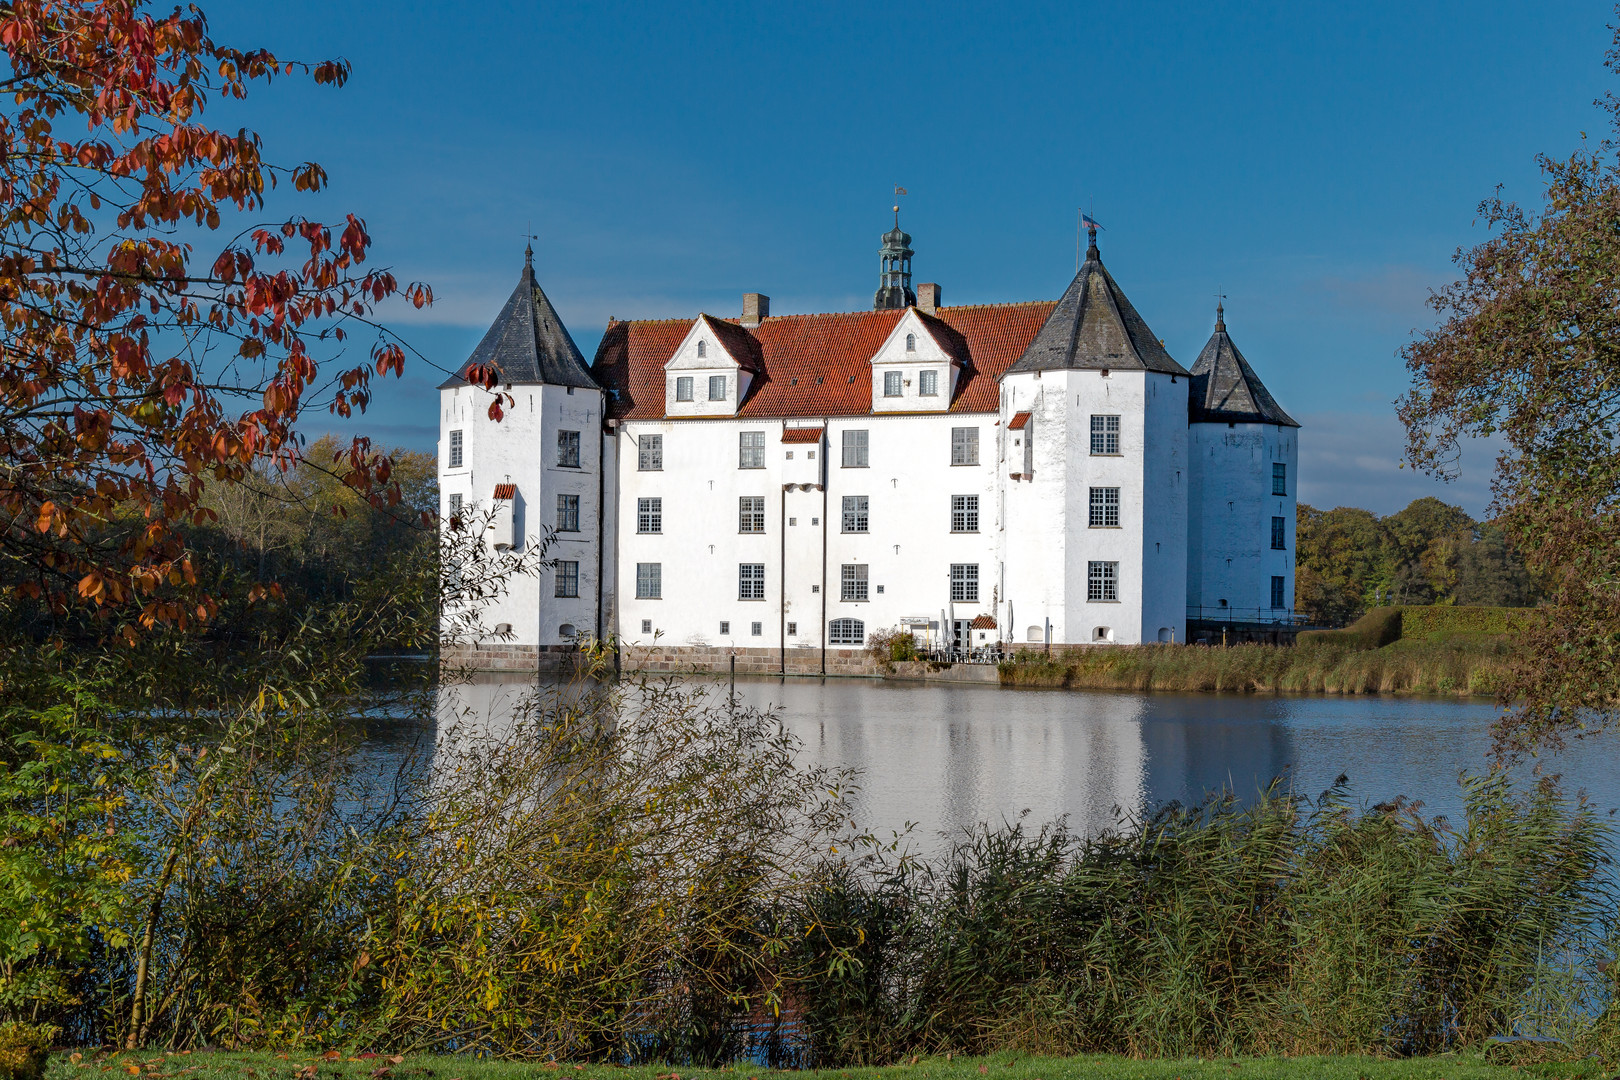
x=918, y=366
x=712, y=370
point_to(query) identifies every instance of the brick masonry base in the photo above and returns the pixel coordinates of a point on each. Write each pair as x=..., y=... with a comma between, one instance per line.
x=672, y=659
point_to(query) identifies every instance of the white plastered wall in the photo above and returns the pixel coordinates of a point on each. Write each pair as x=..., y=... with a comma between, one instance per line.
x=1230, y=557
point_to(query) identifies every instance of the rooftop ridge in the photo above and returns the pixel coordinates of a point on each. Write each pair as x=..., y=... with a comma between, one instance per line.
x=863, y=313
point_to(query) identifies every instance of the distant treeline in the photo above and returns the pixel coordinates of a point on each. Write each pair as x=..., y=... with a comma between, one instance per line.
x=1350, y=559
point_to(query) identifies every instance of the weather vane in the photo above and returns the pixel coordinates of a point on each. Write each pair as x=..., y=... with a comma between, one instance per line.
x=898, y=191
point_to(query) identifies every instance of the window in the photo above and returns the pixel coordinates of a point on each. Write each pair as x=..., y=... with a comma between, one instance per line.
x=751, y=514
x=646, y=626
x=846, y=632
x=567, y=630
x=793, y=629
x=853, y=583
x=751, y=581
x=1279, y=592
x=455, y=505
x=964, y=446
x=891, y=384
x=649, y=515
x=1102, y=581
x=911, y=343
x=650, y=453
x=1279, y=478
x=567, y=514
x=751, y=450
x=1105, y=434
x=756, y=629
x=1279, y=534
x=854, y=449
x=855, y=513
x=725, y=627
x=964, y=581
x=928, y=383
x=568, y=449
x=568, y=579
x=455, y=449
x=964, y=513
x=703, y=349
x=649, y=585
x=1104, y=508
x=717, y=388
x=683, y=388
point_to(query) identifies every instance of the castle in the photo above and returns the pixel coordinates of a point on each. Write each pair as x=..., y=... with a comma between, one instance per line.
x=778, y=489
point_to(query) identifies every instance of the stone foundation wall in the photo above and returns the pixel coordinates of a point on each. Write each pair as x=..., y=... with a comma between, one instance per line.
x=713, y=659
x=501, y=656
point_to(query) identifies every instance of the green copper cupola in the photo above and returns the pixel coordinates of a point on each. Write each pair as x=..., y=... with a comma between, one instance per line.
x=894, y=281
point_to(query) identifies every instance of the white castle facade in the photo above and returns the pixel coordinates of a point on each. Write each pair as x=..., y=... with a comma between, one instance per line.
x=780, y=488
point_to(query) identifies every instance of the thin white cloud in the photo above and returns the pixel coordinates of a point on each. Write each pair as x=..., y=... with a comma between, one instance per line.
x=1354, y=459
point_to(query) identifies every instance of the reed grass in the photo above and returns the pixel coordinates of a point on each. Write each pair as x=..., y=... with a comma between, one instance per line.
x=1457, y=665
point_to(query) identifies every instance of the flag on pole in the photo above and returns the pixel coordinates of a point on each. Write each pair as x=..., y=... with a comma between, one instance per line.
x=898, y=190
x=1089, y=222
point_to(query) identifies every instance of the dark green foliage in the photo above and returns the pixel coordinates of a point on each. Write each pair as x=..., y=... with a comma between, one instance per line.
x=1351, y=560
x=1379, y=627
x=24, y=1049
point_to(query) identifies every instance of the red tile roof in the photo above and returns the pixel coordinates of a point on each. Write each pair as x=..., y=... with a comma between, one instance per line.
x=984, y=622
x=1018, y=421
x=801, y=434
x=505, y=491
x=819, y=365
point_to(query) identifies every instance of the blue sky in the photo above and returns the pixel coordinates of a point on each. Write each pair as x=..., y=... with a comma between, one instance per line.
x=1317, y=163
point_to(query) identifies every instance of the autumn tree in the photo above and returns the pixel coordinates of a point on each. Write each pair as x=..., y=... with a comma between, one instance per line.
x=161, y=331
x=1528, y=351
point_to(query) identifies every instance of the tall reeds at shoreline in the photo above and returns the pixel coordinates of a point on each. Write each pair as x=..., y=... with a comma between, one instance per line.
x=1458, y=666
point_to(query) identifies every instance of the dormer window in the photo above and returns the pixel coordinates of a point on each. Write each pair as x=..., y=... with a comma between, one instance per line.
x=928, y=383
x=703, y=349
x=717, y=387
x=891, y=384
x=683, y=388
x=911, y=343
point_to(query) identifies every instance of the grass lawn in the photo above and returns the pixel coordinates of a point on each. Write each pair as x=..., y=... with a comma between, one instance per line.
x=220, y=1065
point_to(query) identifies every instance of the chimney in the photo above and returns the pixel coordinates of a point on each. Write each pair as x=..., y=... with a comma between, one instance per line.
x=928, y=298
x=756, y=307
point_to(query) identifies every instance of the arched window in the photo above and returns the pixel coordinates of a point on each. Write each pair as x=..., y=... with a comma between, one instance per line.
x=1102, y=633
x=846, y=632
x=566, y=631
x=703, y=349
x=911, y=343
x=1036, y=634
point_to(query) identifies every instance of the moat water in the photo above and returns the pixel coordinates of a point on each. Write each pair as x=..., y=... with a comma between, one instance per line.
x=946, y=758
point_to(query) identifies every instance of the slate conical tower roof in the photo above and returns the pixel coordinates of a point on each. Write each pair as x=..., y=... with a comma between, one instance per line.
x=528, y=343
x=1094, y=326
x=1226, y=390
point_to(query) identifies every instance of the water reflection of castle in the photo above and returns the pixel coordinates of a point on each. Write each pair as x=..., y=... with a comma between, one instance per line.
x=946, y=758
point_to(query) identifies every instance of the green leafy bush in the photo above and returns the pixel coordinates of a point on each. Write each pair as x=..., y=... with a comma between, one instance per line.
x=24, y=1049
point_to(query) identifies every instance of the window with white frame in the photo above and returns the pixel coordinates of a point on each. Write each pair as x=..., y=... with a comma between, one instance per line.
x=846, y=632
x=1279, y=591
x=568, y=579
x=455, y=505
x=891, y=384
x=964, y=513
x=1105, y=434
x=683, y=388
x=725, y=627
x=964, y=446
x=1102, y=581
x=456, y=445
x=750, y=581
x=1104, y=507
x=1279, y=534
x=751, y=450
x=650, y=515
x=568, y=449
x=911, y=343
x=852, y=583
x=855, y=450
x=646, y=626
x=717, y=388
x=751, y=514
x=649, y=584
x=567, y=513
x=1279, y=478
x=756, y=629
x=964, y=581
x=928, y=383
x=650, y=453
x=703, y=349
x=855, y=520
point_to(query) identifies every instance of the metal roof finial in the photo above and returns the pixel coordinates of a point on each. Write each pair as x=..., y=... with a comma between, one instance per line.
x=1220, y=313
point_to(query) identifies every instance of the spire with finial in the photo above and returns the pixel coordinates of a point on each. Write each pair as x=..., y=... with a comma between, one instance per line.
x=894, y=279
x=1220, y=317
x=528, y=256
